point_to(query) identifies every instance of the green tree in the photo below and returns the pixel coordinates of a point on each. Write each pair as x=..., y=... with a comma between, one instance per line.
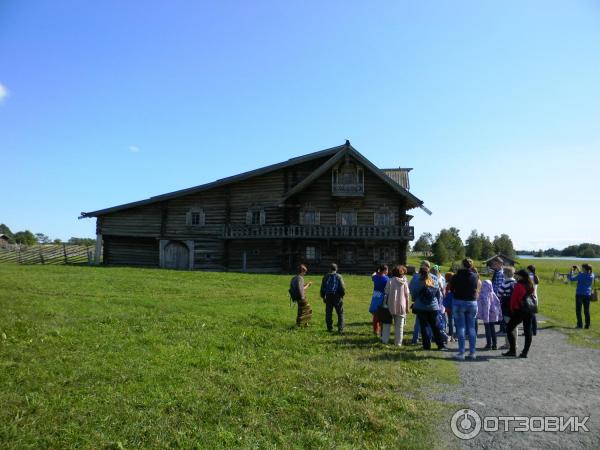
x=25, y=237
x=503, y=244
x=424, y=243
x=41, y=238
x=440, y=252
x=473, y=246
x=487, y=248
x=87, y=242
x=57, y=241
x=450, y=238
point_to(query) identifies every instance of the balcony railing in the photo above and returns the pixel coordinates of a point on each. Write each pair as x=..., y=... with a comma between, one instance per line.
x=348, y=190
x=318, y=232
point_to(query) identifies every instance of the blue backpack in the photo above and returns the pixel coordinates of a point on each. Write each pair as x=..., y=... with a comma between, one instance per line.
x=332, y=284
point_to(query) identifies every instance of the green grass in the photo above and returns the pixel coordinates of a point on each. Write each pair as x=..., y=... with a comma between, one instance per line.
x=109, y=357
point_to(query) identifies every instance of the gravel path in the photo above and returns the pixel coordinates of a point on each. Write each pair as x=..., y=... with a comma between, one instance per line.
x=557, y=379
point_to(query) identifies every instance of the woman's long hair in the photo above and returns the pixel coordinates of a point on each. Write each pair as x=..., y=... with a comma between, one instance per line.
x=525, y=280
x=424, y=274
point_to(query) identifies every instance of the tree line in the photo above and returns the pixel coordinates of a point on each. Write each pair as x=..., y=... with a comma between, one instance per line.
x=585, y=250
x=448, y=246
x=26, y=237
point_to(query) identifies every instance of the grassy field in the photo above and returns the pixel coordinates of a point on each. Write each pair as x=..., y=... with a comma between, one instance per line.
x=119, y=357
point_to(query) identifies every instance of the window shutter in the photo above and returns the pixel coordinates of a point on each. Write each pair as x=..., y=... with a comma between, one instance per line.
x=354, y=218
x=202, y=217
x=188, y=218
x=375, y=222
x=318, y=218
x=301, y=218
x=263, y=217
x=248, y=217
x=375, y=254
x=338, y=218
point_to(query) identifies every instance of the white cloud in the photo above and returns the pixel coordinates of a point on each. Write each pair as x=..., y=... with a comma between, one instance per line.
x=134, y=149
x=3, y=92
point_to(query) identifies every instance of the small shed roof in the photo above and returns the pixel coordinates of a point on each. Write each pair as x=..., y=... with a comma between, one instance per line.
x=505, y=260
x=4, y=237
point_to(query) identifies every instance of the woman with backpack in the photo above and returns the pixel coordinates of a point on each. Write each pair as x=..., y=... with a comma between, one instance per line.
x=396, y=299
x=298, y=294
x=465, y=286
x=426, y=293
x=519, y=300
x=380, y=280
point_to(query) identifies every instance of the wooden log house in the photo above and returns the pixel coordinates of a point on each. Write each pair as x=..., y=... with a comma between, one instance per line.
x=329, y=206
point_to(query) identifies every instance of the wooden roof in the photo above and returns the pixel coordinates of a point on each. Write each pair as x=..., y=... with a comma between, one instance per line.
x=504, y=258
x=334, y=154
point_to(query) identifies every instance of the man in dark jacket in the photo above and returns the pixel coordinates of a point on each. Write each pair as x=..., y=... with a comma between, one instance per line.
x=332, y=293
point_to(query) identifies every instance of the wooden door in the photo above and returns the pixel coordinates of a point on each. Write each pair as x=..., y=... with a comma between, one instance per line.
x=176, y=256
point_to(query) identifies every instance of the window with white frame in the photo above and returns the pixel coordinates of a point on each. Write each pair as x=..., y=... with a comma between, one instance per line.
x=195, y=217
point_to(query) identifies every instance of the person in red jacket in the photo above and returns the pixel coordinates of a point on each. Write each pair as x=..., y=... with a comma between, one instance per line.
x=523, y=288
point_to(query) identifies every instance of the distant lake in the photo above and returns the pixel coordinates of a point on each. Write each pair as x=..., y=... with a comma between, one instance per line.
x=559, y=258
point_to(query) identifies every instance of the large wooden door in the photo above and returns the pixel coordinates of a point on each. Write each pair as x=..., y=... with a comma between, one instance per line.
x=176, y=256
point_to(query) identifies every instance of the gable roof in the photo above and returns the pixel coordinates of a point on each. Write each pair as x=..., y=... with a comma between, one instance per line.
x=334, y=154
x=351, y=151
x=504, y=258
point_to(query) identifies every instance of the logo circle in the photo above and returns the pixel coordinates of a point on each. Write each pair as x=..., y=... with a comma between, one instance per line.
x=465, y=424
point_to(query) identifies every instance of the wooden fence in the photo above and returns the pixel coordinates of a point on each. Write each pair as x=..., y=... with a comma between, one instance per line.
x=47, y=254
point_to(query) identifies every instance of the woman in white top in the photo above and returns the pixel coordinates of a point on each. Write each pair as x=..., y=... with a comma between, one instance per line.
x=396, y=299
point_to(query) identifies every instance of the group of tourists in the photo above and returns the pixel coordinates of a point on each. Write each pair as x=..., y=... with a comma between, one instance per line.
x=447, y=307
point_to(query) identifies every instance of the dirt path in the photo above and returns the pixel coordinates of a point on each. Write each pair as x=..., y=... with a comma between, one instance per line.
x=557, y=379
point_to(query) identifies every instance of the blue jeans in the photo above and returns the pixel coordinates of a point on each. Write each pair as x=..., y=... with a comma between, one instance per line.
x=464, y=313
x=450, y=323
x=417, y=331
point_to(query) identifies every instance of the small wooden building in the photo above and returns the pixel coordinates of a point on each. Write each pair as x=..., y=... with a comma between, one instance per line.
x=506, y=261
x=4, y=240
x=331, y=205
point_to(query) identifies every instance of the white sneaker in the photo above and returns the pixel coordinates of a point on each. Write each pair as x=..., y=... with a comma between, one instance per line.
x=472, y=356
x=459, y=356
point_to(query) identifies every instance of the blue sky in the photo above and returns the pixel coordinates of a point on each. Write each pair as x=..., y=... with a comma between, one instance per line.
x=496, y=105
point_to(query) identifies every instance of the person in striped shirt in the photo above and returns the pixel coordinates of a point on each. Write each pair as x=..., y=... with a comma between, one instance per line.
x=497, y=280
x=504, y=294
